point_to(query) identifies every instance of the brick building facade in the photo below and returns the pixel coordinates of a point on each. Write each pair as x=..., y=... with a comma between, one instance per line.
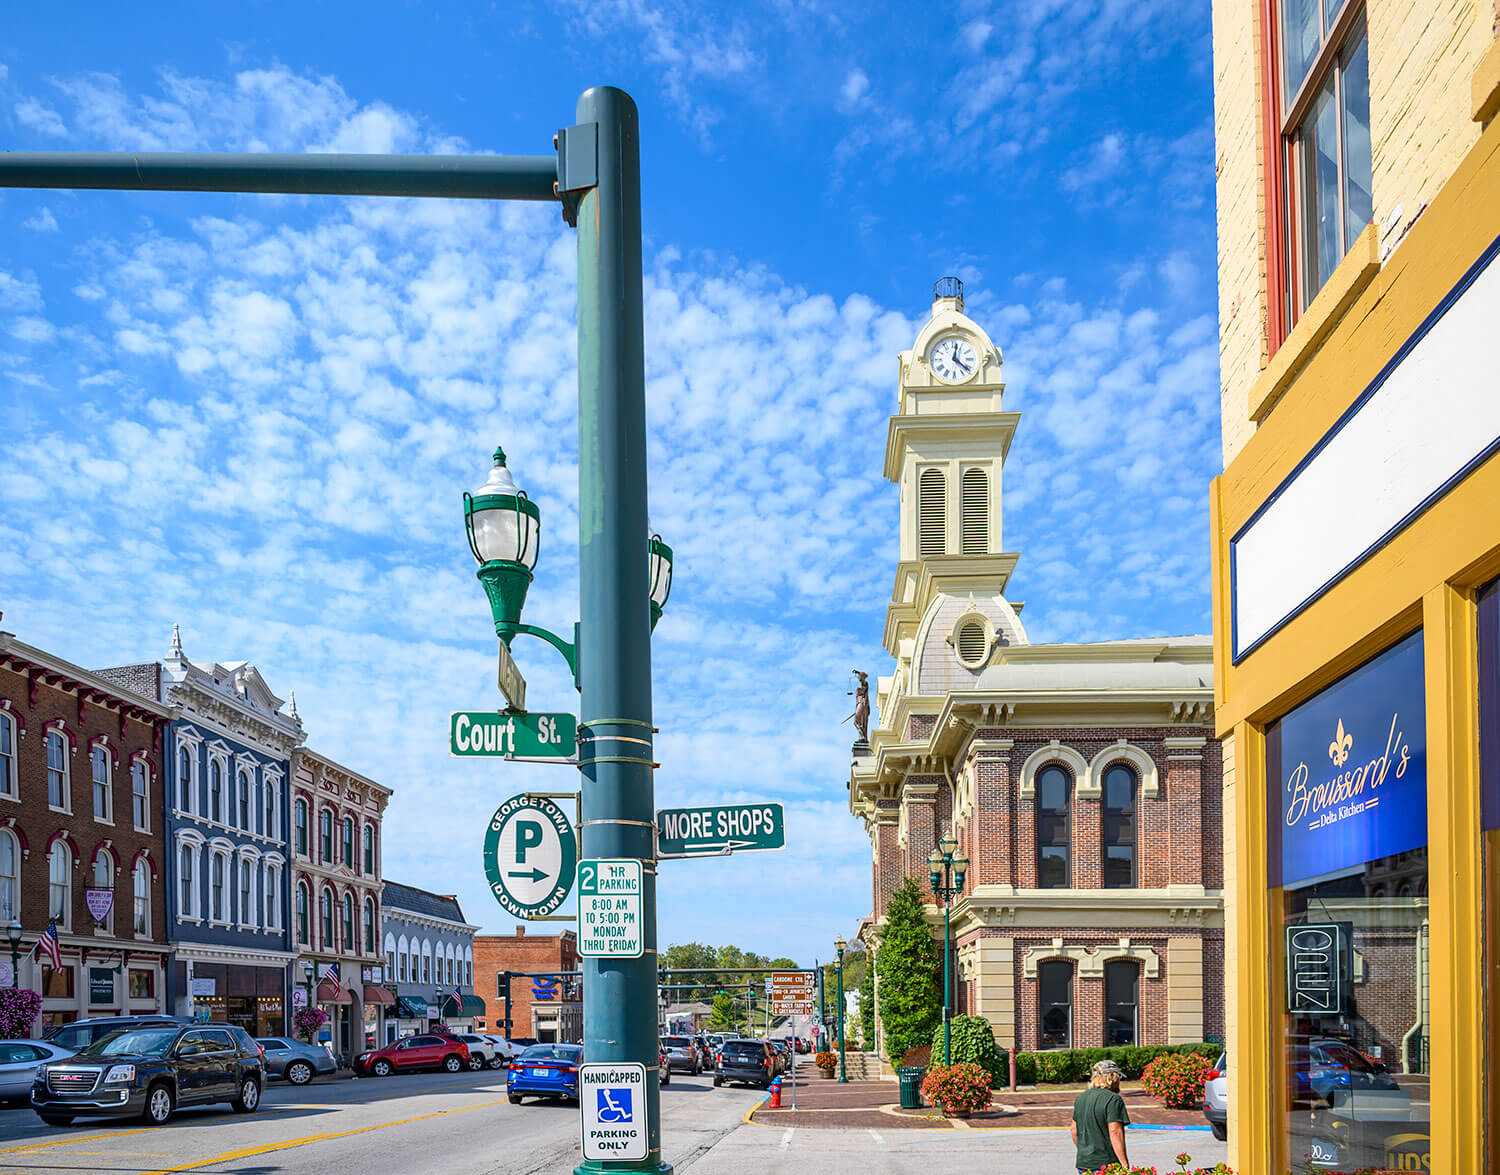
x=80, y=811
x=1082, y=781
x=537, y=1009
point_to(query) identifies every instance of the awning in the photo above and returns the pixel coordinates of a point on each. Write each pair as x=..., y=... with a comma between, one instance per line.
x=375, y=994
x=328, y=994
x=410, y=1008
x=471, y=1006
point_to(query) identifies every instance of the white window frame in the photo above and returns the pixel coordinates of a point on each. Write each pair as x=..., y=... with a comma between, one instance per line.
x=112, y=873
x=193, y=844
x=10, y=786
x=57, y=732
x=219, y=855
x=247, y=862
x=304, y=888
x=141, y=869
x=244, y=795
x=100, y=750
x=139, y=764
x=274, y=867
x=65, y=918
x=219, y=759
x=14, y=842
x=271, y=781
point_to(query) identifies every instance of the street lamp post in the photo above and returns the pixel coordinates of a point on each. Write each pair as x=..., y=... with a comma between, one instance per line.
x=839, y=945
x=13, y=932
x=947, y=869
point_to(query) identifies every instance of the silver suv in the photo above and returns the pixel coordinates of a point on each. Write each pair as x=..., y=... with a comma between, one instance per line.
x=1216, y=1098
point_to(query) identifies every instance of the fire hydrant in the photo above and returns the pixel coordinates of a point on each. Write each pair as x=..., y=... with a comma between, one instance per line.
x=776, y=1094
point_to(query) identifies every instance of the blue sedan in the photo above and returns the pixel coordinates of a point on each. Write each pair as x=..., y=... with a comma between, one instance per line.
x=545, y=1070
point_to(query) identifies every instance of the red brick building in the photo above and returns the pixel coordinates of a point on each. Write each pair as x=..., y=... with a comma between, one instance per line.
x=81, y=837
x=1082, y=781
x=538, y=1009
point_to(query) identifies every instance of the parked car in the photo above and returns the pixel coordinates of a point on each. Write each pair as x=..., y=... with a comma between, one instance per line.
x=785, y=1058
x=663, y=1066
x=422, y=1051
x=482, y=1053
x=1345, y=1105
x=1216, y=1098
x=705, y=1051
x=81, y=1033
x=545, y=1070
x=149, y=1072
x=295, y=1060
x=744, y=1060
x=19, y=1061
x=506, y=1051
x=683, y=1054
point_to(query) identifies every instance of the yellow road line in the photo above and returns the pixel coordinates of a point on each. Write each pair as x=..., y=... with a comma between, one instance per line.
x=288, y=1144
x=36, y=1146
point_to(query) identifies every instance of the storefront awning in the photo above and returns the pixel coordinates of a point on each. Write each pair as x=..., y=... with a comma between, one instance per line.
x=328, y=994
x=472, y=1006
x=375, y=994
x=408, y=1008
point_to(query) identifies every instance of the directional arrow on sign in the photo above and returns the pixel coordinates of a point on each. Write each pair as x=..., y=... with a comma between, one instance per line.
x=710, y=832
x=532, y=875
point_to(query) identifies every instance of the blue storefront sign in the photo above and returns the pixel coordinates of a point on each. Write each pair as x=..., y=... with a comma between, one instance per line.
x=1347, y=770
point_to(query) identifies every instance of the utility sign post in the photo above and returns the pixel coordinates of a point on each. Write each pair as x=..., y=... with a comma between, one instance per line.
x=548, y=737
x=609, y=909
x=709, y=832
x=613, y=1100
x=512, y=684
x=791, y=993
x=530, y=855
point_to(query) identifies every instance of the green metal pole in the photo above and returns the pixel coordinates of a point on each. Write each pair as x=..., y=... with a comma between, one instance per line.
x=838, y=1011
x=947, y=954
x=619, y=995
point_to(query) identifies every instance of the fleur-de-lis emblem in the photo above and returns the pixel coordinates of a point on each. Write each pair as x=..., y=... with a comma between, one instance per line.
x=1338, y=749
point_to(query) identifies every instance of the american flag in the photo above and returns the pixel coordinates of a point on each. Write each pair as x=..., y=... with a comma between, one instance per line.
x=48, y=945
x=331, y=975
x=458, y=1000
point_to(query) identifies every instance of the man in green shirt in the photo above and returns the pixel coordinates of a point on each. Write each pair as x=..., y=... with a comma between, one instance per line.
x=1099, y=1120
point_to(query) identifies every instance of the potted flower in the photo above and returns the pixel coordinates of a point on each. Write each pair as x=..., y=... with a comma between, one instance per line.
x=1176, y=1080
x=826, y=1062
x=958, y=1090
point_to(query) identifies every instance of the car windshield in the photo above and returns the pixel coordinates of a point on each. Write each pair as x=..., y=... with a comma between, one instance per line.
x=144, y=1042
x=745, y=1047
x=552, y=1052
x=675, y=1042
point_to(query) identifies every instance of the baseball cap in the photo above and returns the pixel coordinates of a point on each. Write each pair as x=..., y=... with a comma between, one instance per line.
x=1108, y=1069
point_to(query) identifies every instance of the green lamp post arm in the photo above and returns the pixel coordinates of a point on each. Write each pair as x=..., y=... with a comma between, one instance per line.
x=569, y=649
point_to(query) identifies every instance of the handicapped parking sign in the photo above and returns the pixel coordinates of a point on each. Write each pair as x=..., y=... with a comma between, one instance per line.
x=614, y=1105
x=615, y=1110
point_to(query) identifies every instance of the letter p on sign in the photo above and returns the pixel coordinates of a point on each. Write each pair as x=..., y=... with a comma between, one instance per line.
x=528, y=836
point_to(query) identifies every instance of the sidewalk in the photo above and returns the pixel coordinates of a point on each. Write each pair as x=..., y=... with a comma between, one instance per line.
x=865, y=1105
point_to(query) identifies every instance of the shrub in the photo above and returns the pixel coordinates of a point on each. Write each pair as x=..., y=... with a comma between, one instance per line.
x=974, y=1040
x=910, y=995
x=827, y=1061
x=1059, y=1066
x=867, y=1008
x=1176, y=1079
x=1025, y=1068
x=957, y=1088
x=18, y=1009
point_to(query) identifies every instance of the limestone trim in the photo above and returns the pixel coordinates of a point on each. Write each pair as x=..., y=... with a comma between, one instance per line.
x=1053, y=752
x=1122, y=751
x=1173, y=908
x=1090, y=960
x=1185, y=749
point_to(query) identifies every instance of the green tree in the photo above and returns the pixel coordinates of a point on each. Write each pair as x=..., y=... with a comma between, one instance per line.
x=867, y=1010
x=907, y=963
x=725, y=1015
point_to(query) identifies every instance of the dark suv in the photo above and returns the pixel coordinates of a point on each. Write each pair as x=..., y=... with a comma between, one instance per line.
x=82, y=1033
x=744, y=1060
x=147, y=1071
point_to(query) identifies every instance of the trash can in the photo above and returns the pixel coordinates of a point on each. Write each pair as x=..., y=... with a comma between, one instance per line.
x=910, y=1079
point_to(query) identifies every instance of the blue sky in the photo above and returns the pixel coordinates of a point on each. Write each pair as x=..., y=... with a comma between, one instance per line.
x=255, y=416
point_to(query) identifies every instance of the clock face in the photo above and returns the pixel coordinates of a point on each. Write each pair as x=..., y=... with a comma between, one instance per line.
x=954, y=359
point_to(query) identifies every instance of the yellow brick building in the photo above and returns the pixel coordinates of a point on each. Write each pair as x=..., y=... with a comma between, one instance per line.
x=1356, y=556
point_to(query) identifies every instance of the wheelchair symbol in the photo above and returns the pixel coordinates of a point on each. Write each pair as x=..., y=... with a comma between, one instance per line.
x=614, y=1105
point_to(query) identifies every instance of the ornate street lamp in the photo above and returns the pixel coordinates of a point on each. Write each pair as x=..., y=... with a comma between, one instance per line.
x=13, y=932
x=839, y=945
x=659, y=563
x=946, y=869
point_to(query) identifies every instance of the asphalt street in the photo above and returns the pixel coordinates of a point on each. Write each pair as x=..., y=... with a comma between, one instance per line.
x=461, y=1124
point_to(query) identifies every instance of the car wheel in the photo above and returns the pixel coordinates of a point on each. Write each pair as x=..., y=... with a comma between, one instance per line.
x=497, y=1062
x=453, y=1063
x=476, y=1062
x=513, y=1098
x=159, y=1106
x=56, y=1119
x=249, y=1097
x=1220, y=1130
x=381, y=1068
x=299, y=1073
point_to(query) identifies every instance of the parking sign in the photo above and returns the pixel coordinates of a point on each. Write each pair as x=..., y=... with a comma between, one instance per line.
x=613, y=1099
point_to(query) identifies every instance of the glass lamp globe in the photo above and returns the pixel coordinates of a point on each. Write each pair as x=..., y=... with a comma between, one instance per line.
x=504, y=524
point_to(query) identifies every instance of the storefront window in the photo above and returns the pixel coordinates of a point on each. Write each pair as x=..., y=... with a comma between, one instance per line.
x=57, y=983
x=1349, y=851
x=1121, y=995
x=142, y=986
x=1055, y=995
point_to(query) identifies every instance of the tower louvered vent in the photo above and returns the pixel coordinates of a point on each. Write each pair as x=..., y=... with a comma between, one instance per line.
x=974, y=512
x=932, y=512
x=971, y=643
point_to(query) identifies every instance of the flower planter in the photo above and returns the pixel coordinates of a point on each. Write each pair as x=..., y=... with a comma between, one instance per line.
x=956, y=1113
x=826, y=1072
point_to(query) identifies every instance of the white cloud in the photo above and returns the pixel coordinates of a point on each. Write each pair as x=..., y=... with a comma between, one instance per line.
x=41, y=222
x=856, y=86
x=38, y=116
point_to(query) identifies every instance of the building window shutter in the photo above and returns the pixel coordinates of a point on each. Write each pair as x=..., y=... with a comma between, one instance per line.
x=971, y=643
x=932, y=512
x=974, y=512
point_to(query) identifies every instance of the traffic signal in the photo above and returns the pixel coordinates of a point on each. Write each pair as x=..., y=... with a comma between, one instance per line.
x=502, y=984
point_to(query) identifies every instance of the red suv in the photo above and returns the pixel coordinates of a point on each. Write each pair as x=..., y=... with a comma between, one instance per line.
x=426, y=1051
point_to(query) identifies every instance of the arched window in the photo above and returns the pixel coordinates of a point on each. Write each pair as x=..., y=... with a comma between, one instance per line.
x=215, y=791
x=216, y=887
x=103, y=799
x=186, y=860
x=1055, y=1003
x=974, y=512
x=370, y=849
x=300, y=821
x=1053, y=828
x=272, y=909
x=1121, y=997
x=185, y=779
x=140, y=922
x=244, y=812
x=348, y=845
x=302, y=915
x=60, y=885
x=140, y=795
x=269, y=792
x=247, y=891
x=325, y=835
x=349, y=942
x=10, y=876
x=427, y=968
x=932, y=512
x=57, y=772
x=104, y=878
x=1119, y=827
x=325, y=919
x=9, y=777
x=370, y=924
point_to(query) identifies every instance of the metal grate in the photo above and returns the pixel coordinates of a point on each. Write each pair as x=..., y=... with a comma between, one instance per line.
x=932, y=512
x=974, y=512
x=72, y=1080
x=971, y=643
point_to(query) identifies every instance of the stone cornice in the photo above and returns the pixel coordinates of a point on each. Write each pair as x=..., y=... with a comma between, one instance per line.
x=321, y=767
x=973, y=428
x=918, y=581
x=1174, y=907
x=205, y=706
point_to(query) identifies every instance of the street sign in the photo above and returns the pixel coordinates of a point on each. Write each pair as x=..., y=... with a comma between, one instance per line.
x=530, y=856
x=609, y=909
x=612, y=1096
x=512, y=684
x=474, y=733
x=707, y=832
x=792, y=993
